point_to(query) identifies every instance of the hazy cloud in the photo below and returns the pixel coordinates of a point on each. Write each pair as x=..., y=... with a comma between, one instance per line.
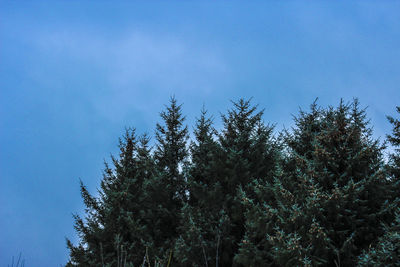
x=138, y=66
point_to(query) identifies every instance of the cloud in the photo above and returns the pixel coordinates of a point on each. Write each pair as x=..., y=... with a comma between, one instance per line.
x=138, y=67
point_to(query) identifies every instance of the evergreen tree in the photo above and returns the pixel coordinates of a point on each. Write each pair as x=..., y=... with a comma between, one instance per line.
x=203, y=152
x=114, y=231
x=247, y=155
x=203, y=219
x=394, y=140
x=331, y=196
x=342, y=182
x=255, y=249
x=168, y=187
x=319, y=195
x=386, y=252
x=137, y=213
x=171, y=151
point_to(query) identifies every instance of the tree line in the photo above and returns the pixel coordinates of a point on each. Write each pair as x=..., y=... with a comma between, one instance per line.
x=323, y=193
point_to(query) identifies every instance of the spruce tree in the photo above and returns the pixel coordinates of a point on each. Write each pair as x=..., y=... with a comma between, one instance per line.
x=204, y=222
x=247, y=155
x=331, y=195
x=114, y=231
x=394, y=140
x=168, y=188
x=319, y=195
x=171, y=151
x=386, y=251
x=343, y=183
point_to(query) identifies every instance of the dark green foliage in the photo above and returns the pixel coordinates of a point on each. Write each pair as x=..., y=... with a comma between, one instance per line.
x=394, y=140
x=171, y=151
x=167, y=189
x=204, y=222
x=386, y=251
x=330, y=198
x=247, y=156
x=115, y=227
x=220, y=171
x=140, y=200
x=319, y=195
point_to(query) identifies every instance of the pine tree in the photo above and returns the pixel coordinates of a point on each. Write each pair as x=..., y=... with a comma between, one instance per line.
x=168, y=187
x=254, y=248
x=171, y=151
x=394, y=140
x=203, y=153
x=345, y=189
x=247, y=155
x=331, y=195
x=137, y=212
x=113, y=231
x=386, y=251
x=319, y=195
x=203, y=219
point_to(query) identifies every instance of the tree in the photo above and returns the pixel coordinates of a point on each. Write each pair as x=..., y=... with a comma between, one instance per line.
x=320, y=194
x=331, y=195
x=114, y=230
x=204, y=221
x=386, y=251
x=394, y=140
x=247, y=155
x=137, y=212
x=168, y=187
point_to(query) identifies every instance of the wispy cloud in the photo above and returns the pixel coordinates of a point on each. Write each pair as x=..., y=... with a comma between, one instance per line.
x=138, y=67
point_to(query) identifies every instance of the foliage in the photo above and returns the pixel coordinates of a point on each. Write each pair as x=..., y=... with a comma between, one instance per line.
x=329, y=198
x=115, y=225
x=386, y=251
x=204, y=221
x=394, y=140
x=321, y=194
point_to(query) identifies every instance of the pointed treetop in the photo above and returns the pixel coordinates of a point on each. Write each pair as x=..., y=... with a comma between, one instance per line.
x=394, y=139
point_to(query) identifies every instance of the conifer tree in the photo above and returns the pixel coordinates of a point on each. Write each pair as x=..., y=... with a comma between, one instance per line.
x=203, y=153
x=114, y=231
x=203, y=219
x=168, y=187
x=320, y=195
x=247, y=155
x=386, y=251
x=394, y=140
x=342, y=184
x=331, y=196
x=171, y=151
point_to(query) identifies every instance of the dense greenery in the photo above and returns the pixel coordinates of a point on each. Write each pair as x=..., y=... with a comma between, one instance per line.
x=320, y=194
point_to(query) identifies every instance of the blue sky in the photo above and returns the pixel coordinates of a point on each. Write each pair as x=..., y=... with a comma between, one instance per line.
x=74, y=74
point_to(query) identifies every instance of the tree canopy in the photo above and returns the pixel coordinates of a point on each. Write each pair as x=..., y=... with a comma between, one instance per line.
x=319, y=194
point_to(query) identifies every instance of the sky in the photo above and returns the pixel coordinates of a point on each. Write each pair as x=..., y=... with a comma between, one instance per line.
x=74, y=74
